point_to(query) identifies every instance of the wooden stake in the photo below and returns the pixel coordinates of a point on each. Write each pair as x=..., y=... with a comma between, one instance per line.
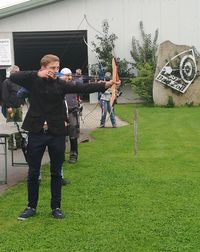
x=135, y=126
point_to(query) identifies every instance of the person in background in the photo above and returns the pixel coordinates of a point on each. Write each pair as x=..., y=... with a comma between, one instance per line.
x=73, y=115
x=79, y=80
x=45, y=122
x=78, y=76
x=104, y=99
x=1, y=103
x=12, y=106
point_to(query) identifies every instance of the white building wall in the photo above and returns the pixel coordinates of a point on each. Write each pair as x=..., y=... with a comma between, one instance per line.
x=177, y=20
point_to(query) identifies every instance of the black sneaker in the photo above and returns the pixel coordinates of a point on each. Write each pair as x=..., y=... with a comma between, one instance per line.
x=57, y=213
x=72, y=160
x=65, y=182
x=28, y=212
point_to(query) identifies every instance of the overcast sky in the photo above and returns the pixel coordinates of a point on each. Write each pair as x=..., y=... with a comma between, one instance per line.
x=7, y=3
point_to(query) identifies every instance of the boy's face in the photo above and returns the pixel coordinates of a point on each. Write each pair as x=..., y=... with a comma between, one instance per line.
x=53, y=68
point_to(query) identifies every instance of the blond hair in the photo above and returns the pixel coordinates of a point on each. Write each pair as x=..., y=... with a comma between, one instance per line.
x=48, y=59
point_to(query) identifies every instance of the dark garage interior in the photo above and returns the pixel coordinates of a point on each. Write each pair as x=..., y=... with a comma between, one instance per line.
x=69, y=46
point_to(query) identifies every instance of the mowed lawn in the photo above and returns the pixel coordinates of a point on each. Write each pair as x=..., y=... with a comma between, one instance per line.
x=118, y=201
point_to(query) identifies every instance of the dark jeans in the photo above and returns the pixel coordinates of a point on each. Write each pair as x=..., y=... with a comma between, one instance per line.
x=105, y=108
x=37, y=144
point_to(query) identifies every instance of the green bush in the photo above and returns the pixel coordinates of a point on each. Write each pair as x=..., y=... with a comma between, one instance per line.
x=170, y=103
x=142, y=84
x=144, y=55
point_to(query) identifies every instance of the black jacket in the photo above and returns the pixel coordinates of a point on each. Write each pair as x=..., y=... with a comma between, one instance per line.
x=46, y=100
x=9, y=94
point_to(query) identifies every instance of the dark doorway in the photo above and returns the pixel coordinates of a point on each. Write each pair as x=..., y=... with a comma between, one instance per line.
x=30, y=47
x=2, y=75
x=69, y=46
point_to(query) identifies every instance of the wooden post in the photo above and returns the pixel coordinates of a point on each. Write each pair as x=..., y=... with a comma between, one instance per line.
x=135, y=126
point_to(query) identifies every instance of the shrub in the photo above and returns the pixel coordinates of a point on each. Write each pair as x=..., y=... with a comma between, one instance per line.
x=144, y=55
x=143, y=83
x=170, y=103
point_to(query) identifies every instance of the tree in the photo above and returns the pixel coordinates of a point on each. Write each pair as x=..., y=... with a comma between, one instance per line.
x=105, y=49
x=144, y=56
x=145, y=52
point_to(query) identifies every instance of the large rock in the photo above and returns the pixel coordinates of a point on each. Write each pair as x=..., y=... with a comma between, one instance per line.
x=161, y=92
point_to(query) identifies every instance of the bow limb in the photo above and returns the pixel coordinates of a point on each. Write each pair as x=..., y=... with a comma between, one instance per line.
x=91, y=49
x=115, y=78
x=101, y=69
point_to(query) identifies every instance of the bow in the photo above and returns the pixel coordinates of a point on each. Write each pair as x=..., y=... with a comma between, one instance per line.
x=101, y=69
x=115, y=78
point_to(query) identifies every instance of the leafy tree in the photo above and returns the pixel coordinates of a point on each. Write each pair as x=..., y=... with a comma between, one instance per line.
x=104, y=49
x=144, y=56
x=145, y=52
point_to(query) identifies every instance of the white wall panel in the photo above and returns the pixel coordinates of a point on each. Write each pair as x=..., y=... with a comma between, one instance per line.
x=177, y=20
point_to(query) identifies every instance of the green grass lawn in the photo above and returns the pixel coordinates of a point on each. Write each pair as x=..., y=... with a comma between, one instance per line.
x=117, y=201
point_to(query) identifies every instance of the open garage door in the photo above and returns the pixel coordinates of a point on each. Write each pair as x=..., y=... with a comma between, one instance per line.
x=30, y=47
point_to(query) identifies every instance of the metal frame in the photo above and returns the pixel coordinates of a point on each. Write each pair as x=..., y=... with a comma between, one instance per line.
x=13, y=158
x=5, y=154
x=13, y=161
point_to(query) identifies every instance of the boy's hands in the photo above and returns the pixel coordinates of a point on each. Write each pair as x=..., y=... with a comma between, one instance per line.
x=46, y=74
x=117, y=83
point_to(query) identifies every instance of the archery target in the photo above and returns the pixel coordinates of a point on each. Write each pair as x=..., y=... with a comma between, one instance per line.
x=188, y=68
